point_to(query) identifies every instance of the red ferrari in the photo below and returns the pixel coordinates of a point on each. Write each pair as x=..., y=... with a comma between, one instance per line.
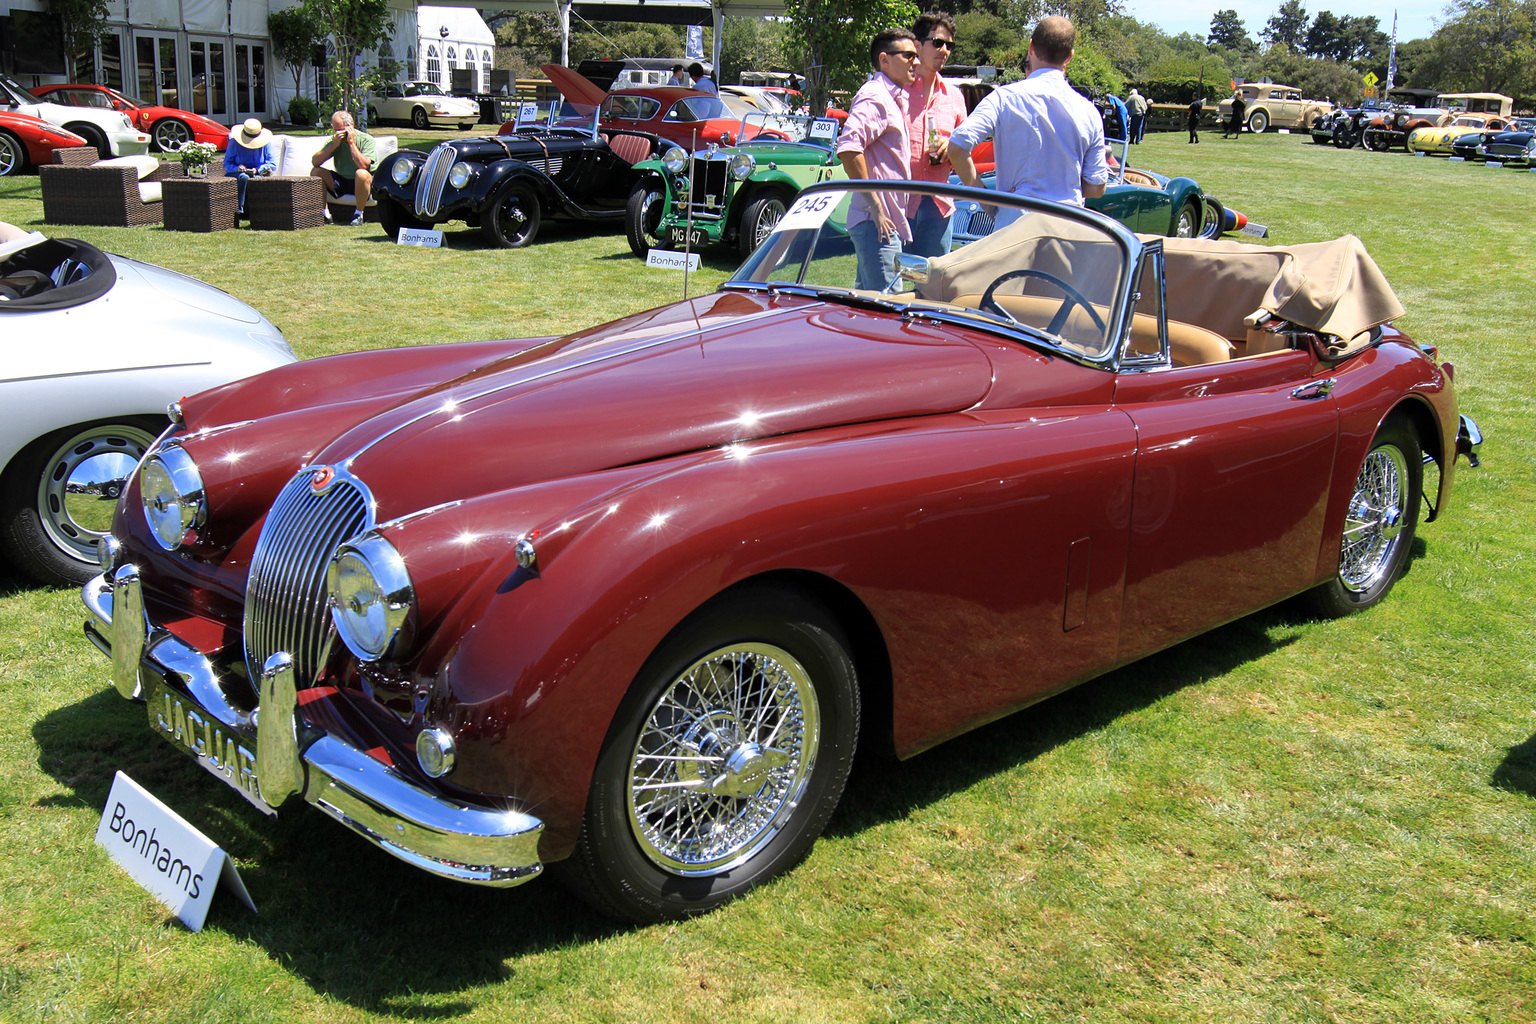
x=26, y=141
x=168, y=126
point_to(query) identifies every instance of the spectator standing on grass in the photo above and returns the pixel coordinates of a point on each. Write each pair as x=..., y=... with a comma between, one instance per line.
x=1049, y=140
x=874, y=144
x=352, y=153
x=701, y=80
x=1235, y=124
x=1136, y=103
x=247, y=155
x=934, y=108
x=1195, y=107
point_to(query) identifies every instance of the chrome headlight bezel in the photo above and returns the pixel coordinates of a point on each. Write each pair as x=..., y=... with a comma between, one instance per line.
x=171, y=496
x=674, y=159
x=460, y=174
x=743, y=166
x=402, y=171
x=376, y=618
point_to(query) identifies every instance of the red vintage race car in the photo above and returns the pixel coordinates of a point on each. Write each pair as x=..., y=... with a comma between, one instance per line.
x=169, y=127
x=26, y=141
x=629, y=599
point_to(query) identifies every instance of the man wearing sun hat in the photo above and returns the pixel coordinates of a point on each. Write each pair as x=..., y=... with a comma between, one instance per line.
x=248, y=154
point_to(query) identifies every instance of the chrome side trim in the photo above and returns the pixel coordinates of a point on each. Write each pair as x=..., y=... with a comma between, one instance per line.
x=480, y=845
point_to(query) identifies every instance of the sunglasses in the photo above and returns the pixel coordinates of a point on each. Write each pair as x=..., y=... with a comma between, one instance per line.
x=948, y=44
x=906, y=54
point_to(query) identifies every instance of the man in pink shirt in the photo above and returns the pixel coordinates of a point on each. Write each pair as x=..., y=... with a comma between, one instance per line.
x=934, y=108
x=874, y=145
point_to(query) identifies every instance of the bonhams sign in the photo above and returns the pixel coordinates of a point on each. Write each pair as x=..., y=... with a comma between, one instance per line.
x=179, y=865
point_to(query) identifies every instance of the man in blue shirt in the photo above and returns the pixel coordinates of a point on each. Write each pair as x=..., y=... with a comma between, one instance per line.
x=1049, y=139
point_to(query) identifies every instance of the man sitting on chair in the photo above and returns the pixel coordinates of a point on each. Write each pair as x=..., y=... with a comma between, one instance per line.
x=354, y=153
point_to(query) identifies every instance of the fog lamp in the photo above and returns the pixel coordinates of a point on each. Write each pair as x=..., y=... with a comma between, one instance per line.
x=435, y=751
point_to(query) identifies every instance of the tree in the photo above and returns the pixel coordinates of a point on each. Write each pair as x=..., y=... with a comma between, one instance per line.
x=750, y=44
x=1288, y=26
x=1490, y=46
x=294, y=33
x=83, y=22
x=1227, y=30
x=833, y=36
x=354, y=26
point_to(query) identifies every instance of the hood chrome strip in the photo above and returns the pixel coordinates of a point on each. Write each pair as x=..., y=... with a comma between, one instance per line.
x=508, y=385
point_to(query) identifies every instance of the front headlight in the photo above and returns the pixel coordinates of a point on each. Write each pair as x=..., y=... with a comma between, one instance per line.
x=674, y=159
x=459, y=174
x=370, y=595
x=402, y=171
x=171, y=491
x=742, y=166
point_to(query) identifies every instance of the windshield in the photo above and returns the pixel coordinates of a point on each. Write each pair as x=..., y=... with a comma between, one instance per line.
x=780, y=128
x=1051, y=274
x=630, y=107
x=424, y=89
x=12, y=93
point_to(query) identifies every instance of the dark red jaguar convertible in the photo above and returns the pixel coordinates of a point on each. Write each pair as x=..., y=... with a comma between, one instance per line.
x=629, y=599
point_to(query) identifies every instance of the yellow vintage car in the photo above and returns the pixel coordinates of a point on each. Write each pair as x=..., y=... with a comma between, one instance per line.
x=1438, y=141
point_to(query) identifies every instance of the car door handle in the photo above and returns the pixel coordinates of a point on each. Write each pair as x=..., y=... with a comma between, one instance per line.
x=1316, y=389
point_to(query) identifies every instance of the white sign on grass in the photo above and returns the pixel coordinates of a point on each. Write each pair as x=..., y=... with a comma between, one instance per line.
x=177, y=864
x=430, y=238
x=666, y=259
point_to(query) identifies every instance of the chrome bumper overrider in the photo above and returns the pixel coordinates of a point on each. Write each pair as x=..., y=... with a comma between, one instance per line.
x=1469, y=438
x=188, y=707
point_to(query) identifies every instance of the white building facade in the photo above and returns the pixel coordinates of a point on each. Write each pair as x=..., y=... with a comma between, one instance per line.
x=213, y=57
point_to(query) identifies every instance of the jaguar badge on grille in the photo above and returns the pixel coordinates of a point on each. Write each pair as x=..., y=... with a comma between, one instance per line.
x=321, y=479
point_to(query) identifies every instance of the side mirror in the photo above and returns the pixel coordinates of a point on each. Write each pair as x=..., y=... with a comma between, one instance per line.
x=726, y=139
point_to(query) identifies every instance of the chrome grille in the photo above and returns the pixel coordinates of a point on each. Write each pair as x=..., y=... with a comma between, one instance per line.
x=285, y=595
x=433, y=179
x=710, y=178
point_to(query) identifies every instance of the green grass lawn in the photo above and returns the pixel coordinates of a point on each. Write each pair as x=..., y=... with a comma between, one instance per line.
x=1283, y=820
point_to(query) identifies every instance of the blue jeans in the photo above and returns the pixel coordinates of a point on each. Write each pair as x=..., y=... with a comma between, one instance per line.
x=932, y=232
x=241, y=179
x=1138, y=125
x=877, y=259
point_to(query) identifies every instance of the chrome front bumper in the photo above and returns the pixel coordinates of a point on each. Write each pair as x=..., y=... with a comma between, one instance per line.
x=189, y=708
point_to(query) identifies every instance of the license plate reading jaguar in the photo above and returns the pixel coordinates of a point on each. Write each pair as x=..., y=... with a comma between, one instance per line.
x=221, y=751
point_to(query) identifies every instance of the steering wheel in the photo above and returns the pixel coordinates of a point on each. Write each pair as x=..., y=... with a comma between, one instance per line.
x=1074, y=298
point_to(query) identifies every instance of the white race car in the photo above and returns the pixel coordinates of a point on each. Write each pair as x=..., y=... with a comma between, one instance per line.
x=109, y=343
x=424, y=105
x=108, y=130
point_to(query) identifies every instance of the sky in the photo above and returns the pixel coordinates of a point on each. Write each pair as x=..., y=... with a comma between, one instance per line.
x=1416, y=19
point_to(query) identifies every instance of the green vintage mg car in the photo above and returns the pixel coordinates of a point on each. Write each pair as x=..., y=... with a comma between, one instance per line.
x=736, y=194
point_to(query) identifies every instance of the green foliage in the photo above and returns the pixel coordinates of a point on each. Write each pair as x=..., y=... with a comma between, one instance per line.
x=1489, y=46
x=1091, y=72
x=1228, y=31
x=295, y=32
x=834, y=35
x=83, y=22
x=525, y=40
x=616, y=40
x=984, y=38
x=303, y=110
x=752, y=44
x=1317, y=79
x=1288, y=25
x=354, y=26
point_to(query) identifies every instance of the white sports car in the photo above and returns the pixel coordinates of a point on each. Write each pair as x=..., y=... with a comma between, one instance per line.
x=84, y=397
x=424, y=105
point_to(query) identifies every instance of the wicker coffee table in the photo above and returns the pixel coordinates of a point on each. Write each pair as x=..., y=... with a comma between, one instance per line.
x=198, y=204
x=285, y=204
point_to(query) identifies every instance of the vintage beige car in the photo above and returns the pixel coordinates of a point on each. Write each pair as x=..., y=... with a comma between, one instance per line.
x=1271, y=105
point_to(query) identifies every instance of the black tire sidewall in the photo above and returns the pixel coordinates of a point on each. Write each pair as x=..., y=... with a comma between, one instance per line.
x=625, y=882
x=746, y=239
x=494, y=226
x=22, y=160
x=641, y=240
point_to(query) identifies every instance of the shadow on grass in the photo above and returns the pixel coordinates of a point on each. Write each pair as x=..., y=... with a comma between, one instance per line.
x=375, y=933
x=1517, y=772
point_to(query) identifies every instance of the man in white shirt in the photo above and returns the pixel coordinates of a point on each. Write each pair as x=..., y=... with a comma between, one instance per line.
x=701, y=79
x=1049, y=139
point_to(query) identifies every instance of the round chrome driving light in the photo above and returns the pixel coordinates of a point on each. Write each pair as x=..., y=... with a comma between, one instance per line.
x=171, y=491
x=402, y=171
x=371, y=597
x=674, y=159
x=435, y=751
x=742, y=166
x=109, y=554
x=459, y=174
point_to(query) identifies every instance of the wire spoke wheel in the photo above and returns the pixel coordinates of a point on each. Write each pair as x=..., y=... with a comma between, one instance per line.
x=723, y=758
x=1377, y=513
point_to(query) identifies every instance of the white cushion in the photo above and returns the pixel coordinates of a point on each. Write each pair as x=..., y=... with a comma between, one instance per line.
x=143, y=165
x=298, y=155
x=149, y=191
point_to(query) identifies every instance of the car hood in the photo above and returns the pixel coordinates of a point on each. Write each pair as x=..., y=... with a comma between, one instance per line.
x=699, y=374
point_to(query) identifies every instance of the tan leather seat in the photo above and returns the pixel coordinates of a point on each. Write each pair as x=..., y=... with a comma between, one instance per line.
x=1188, y=344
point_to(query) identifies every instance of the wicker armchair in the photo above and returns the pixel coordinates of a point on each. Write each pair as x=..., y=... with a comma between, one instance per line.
x=74, y=194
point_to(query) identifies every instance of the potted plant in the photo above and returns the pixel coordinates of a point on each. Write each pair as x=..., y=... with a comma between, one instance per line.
x=195, y=158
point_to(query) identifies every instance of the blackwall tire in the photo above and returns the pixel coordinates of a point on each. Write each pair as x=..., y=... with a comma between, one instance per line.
x=642, y=218
x=48, y=528
x=393, y=217
x=512, y=220
x=1379, y=526
x=724, y=762
x=419, y=119
x=1187, y=223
